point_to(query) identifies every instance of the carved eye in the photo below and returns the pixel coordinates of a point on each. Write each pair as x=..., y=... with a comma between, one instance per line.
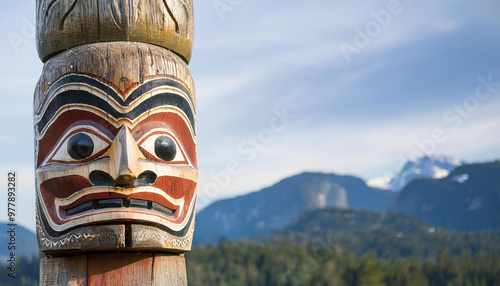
x=164, y=148
x=80, y=146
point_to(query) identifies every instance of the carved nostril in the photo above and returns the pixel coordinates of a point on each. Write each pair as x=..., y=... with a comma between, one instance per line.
x=146, y=178
x=126, y=181
x=100, y=178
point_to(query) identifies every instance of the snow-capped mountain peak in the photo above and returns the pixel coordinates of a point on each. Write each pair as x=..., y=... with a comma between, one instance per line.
x=435, y=167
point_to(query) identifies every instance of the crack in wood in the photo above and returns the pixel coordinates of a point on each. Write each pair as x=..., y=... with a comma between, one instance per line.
x=117, y=13
x=172, y=16
x=49, y=7
x=63, y=19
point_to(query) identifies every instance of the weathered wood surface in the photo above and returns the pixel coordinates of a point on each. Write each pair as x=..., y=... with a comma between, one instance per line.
x=133, y=107
x=169, y=270
x=144, y=237
x=70, y=271
x=132, y=269
x=97, y=238
x=62, y=24
x=120, y=269
x=124, y=65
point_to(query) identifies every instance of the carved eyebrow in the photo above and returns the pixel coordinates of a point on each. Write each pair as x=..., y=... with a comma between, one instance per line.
x=139, y=91
x=85, y=98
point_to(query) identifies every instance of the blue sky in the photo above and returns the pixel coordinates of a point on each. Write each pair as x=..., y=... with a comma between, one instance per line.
x=416, y=76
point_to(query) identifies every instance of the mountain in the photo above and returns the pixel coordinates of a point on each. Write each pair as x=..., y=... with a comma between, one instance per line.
x=434, y=167
x=468, y=199
x=388, y=235
x=276, y=206
x=26, y=243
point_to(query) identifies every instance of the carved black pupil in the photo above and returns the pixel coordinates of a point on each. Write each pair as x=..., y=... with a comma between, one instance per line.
x=80, y=146
x=165, y=148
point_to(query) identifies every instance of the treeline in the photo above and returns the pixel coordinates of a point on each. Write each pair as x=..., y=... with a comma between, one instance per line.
x=289, y=264
x=391, y=244
x=286, y=263
x=388, y=235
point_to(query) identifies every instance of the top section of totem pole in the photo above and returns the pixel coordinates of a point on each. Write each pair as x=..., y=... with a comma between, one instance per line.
x=63, y=24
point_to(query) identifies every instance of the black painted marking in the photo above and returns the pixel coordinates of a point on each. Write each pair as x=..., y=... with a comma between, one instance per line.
x=138, y=92
x=146, y=178
x=162, y=209
x=109, y=203
x=118, y=203
x=138, y=204
x=79, y=209
x=85, y=98
x=82, y=97
x=100, y=178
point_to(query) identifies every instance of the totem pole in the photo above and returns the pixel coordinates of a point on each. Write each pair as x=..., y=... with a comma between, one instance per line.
x=115, y=141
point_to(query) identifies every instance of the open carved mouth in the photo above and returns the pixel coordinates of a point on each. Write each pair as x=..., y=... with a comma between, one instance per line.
x=100, y=204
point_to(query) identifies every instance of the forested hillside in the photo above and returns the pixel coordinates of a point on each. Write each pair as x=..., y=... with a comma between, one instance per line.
x=288, y=264
x=388, y=235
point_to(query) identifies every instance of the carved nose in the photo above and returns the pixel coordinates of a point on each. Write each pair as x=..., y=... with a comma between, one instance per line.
x=125, y=181
x=124, y=156
x=124, y=169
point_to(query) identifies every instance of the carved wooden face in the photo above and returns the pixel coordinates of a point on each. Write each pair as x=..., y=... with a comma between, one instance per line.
x=116, y=149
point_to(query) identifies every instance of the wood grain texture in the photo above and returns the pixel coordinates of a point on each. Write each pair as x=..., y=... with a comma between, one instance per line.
x=68, y=271
x=149, y=238
x=96, y=238
x=169, y=270
x=63, y=24
x=120, y=269
x=130, y=269
x=122, y=64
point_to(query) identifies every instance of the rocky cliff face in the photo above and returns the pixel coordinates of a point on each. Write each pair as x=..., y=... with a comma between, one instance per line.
x=276, y=206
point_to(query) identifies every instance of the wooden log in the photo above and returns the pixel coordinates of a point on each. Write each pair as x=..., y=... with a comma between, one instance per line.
x=120, y=269
x=169, y=270
x=114, y=269
x=115, y=141
x=63, y=24
x=64, y=271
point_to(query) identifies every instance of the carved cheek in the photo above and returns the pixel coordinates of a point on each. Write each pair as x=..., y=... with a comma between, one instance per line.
x=178, y=188
x=64, y=187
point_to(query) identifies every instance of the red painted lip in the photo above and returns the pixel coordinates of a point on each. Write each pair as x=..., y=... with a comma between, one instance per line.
x=172, y=187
